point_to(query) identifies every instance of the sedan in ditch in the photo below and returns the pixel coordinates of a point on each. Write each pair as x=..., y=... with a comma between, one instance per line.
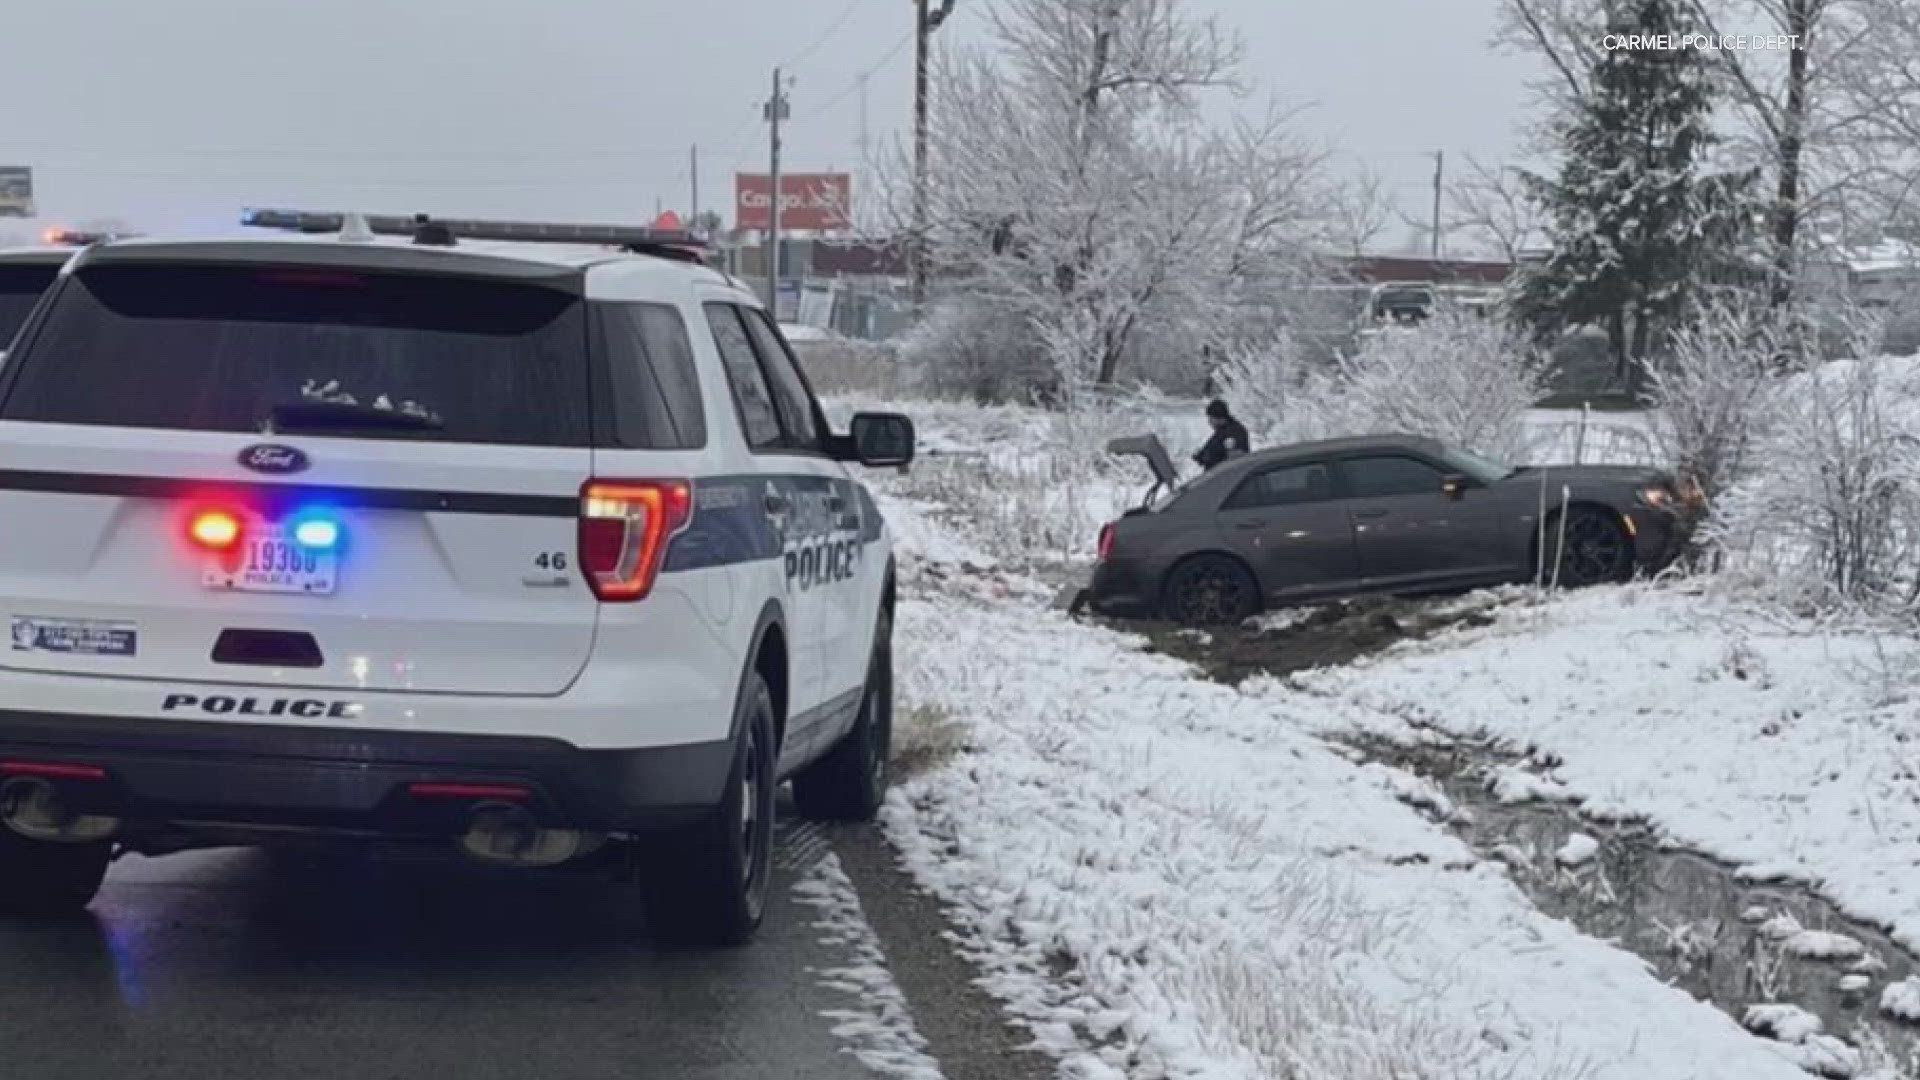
x=1393, y=514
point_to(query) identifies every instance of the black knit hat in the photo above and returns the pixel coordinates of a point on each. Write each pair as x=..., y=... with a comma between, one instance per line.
x=1217, y=409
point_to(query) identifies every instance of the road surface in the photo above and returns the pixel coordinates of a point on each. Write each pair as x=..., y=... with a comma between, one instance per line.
x=234, y=964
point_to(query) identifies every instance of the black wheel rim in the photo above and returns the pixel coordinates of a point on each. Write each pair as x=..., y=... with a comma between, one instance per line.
x=1595, y=551
x=1212, y=593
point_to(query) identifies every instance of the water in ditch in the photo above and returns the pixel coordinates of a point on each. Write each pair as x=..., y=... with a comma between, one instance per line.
x=1775, y=956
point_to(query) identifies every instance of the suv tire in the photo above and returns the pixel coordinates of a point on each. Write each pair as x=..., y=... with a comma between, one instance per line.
x=707, y=885
x=40, y=880
x=850, y=782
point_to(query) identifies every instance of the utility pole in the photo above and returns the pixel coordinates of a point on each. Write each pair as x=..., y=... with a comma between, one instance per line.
x=926, y=21
x=693, y=171
x=776, y=111
x=1439, y=169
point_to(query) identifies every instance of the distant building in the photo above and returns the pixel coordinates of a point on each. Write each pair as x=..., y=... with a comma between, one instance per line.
x=1384, y=269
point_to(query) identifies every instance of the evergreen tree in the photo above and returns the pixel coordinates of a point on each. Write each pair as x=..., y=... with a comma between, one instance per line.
x=1635, y=228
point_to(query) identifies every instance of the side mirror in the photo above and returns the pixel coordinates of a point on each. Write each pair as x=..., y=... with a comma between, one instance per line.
x=1455, y=485
x=882, y=440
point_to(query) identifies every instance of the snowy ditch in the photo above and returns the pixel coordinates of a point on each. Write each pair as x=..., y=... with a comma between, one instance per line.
x=1839, y=993
x=1775, y=956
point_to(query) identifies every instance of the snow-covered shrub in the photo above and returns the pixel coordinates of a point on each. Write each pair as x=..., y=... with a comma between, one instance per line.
x=968, y=348
x=841, y=366
x=1457, y=377
x=1715, y=395
x=1832, y=513
x=1260, y=380
x=1902, y=337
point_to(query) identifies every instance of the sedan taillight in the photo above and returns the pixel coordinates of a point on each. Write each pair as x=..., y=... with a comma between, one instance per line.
x=1106, y=542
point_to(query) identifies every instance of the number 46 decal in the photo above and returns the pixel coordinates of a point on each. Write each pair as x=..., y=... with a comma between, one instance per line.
x=551, y=560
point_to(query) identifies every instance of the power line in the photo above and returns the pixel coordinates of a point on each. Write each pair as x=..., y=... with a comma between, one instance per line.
x=832, y=29
x=854, y=86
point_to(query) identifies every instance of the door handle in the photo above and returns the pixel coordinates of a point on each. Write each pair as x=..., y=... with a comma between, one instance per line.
x=1249, y=525
x=1369, y=514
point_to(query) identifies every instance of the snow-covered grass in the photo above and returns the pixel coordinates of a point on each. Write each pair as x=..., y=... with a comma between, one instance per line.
x=1157, y=869
x=1027, y=485
x=1779, y=745
x=1162, y=876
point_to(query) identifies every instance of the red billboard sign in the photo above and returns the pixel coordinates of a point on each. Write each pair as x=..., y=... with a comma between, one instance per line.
x=808, y=201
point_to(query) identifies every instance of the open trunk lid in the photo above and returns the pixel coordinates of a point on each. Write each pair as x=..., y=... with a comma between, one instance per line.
x=161, y=401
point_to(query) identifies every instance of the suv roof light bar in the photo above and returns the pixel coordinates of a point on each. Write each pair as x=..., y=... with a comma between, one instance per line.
x=667, y=243
x=58, y=237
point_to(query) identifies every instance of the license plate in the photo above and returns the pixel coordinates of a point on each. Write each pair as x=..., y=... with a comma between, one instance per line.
x=272, y=562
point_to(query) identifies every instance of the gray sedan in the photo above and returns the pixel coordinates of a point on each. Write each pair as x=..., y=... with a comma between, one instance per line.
x=1395, y=514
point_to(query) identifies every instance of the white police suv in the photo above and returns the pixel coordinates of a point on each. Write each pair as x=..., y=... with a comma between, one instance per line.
x=395, y=533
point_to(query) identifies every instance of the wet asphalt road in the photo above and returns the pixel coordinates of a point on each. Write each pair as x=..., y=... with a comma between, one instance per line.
x=221, y=964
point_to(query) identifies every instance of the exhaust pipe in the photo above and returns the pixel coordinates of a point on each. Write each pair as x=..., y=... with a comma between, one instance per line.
x=503, y=834
x=33, y=807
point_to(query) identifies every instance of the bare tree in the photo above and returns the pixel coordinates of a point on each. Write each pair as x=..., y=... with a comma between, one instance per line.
x=1491, y=207
x=1561, y=32
x=1797, y=118
x=1076, y=191
x=1882, y=88
x=1358, y=215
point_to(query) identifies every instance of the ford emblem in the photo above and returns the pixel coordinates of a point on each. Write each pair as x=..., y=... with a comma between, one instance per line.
x=273, y=458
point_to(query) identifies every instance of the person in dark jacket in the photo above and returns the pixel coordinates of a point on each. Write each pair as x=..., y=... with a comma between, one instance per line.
x=1229, y=437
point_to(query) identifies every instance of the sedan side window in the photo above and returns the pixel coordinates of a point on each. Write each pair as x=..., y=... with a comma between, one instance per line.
x=1289, y=485
x=1386, y=476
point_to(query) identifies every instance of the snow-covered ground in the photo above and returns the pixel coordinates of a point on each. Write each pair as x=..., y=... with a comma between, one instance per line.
x=1790, y=750
x=1166, y=874
x=1167, y=877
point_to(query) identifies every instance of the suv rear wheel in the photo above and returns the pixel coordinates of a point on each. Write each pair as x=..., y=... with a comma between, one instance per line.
x=707, y=885
x=850, y=782
x=43, y=880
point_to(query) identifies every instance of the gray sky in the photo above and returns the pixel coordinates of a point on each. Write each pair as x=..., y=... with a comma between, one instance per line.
x=174, y=115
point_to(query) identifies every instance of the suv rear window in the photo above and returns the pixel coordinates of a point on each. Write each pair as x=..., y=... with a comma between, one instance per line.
x=20, y=287
x=218, y=348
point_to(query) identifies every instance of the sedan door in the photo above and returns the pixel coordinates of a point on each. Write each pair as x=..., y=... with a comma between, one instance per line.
x=1410, y=531
x=1287, y=522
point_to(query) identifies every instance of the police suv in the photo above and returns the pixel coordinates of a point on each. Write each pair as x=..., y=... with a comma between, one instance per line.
x=401, y=531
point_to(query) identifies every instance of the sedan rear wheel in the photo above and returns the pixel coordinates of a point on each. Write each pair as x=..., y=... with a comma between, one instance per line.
x=1211, y=590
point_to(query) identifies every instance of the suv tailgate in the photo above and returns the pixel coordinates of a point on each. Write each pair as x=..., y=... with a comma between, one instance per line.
x=127, y=417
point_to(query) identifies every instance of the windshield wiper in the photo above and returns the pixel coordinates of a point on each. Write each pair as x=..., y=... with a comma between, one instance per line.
x=325, y=415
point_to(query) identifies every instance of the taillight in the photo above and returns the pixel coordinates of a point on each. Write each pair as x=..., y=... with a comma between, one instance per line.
x=1106, y=541
x=624, y=529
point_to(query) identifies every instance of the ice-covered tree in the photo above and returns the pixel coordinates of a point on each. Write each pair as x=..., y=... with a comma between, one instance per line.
x=1457, y=377
x=1791, y=114
x=1634, y=224
x=1716, y=394
x=1078, y=196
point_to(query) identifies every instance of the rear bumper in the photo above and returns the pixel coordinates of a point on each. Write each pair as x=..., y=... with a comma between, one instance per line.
x=164, y=772
x=1123, y=590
